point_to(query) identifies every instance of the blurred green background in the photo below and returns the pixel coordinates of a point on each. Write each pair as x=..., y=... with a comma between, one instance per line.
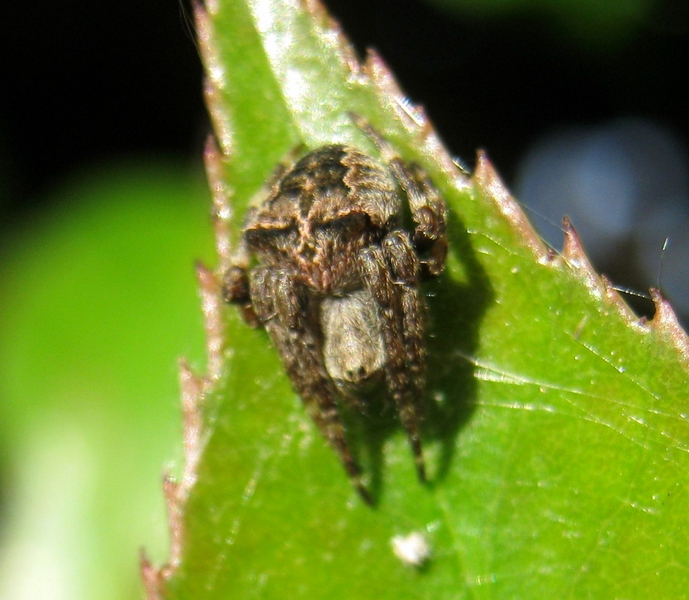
x=98, y=302
x=103, y=210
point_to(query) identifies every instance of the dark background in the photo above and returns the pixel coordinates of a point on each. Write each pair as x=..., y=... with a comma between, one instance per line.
x=86, y=82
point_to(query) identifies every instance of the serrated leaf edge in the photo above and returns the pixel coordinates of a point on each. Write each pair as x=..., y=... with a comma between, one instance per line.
x=194, y=389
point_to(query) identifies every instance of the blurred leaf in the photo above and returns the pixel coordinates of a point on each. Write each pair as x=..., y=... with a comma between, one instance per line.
x=556, y=425
x=98, y=300
x=594, y=25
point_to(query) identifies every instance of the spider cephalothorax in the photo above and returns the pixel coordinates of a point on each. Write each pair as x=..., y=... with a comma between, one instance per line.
x=336, y=283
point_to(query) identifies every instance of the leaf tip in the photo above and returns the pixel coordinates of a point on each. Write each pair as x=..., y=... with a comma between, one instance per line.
x=488, y=182
x=330, y=29
x=211, y=6
x=575, y=256
x=151, y=578
x=665, y=322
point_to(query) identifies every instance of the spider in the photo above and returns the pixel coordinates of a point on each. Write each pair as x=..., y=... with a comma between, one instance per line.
x=336, y=281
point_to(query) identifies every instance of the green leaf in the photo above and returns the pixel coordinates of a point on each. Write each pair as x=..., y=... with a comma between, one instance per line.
x=556, y=428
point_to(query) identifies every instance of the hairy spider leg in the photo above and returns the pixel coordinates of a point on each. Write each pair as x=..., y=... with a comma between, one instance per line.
x=427, y=206
x=281, y=303
x=401, y=324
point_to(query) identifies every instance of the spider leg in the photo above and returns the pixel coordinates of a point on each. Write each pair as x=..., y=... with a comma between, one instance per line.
x=428, y=209
x=391, y=272
x=282, y=305
x=235, y=285
x=235, y=274
x=405, y=269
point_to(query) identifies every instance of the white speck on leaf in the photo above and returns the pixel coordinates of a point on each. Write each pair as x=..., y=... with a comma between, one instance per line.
x=412, y=549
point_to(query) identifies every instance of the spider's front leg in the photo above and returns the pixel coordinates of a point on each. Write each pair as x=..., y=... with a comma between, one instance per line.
x=429, y=214
x=427, y=206
x=290, y=317
x=391, y=272
x=235, y=288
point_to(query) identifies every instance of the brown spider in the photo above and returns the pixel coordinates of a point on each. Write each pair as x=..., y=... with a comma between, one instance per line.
x=337, y=281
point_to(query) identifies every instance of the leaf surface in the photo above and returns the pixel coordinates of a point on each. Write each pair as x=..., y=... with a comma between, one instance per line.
x=556, y=428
